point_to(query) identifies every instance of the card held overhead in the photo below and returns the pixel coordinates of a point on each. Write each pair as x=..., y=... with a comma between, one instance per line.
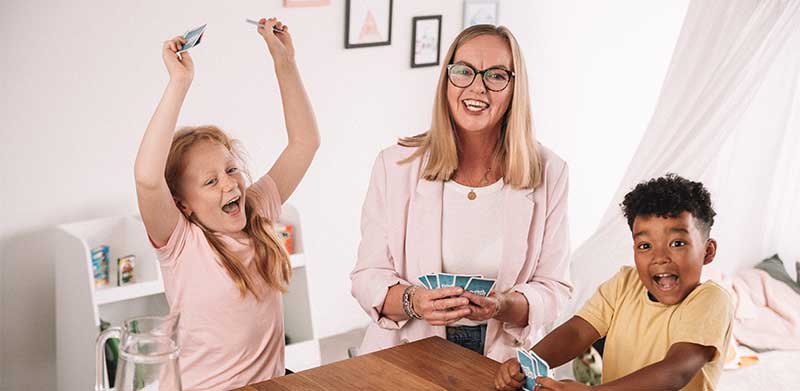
x=192, y=38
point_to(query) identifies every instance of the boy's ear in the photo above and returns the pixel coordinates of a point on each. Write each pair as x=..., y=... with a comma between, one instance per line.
x=711, y=251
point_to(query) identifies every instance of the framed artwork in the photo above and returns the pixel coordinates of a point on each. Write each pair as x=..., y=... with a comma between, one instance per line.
x=480, y=12
x=426, y=37
x=367, y=23
x=305, y=3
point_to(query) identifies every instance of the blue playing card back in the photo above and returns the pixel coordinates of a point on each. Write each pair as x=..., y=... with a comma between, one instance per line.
x=542, y=368
x=528, y=368
x=192, y=38
x=480, y=286
x=461, y=281
x=433, y=281
x=446, y=280
x=424, y=281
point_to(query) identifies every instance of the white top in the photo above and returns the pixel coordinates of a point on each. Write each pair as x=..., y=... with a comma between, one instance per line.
x=472, y=241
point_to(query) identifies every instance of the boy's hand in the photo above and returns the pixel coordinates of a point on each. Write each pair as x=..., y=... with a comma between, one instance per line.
x=279, y=44
x=546, y=383
x=179, y=69
x=483, y=308
x=509, y=377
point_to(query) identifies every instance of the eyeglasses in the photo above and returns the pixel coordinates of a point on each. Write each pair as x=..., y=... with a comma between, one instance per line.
x=494, y=79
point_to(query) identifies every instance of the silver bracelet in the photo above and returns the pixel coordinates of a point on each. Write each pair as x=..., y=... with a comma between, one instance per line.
x=408, y=305
x=411, y=304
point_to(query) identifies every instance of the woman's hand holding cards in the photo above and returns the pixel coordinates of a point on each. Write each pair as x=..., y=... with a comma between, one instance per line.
x=180, y=67
x=483, y=307
x=441, y=306
x=278, y=42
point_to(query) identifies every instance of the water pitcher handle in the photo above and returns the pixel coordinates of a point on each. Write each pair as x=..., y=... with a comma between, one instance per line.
x=100, y=383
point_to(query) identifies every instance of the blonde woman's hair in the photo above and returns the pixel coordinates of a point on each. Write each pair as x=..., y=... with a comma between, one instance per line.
x=271, y=259
x=516, y=144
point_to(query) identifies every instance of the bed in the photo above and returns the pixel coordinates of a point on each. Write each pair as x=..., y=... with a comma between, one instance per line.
x=775, y=371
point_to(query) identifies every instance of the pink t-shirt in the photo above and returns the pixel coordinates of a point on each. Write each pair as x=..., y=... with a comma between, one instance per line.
x=226, y=340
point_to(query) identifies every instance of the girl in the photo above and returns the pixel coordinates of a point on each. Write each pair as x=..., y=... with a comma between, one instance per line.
x=224, y=268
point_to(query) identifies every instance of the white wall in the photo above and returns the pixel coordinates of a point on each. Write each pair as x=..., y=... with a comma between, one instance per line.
x=81, y=78
x=596, y=70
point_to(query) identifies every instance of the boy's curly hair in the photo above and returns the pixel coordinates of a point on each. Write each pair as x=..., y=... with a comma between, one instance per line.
x=669, y=196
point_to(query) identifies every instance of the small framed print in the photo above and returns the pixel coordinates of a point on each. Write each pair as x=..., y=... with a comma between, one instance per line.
x=305, y=3
x=480, y=12
x=426, y=37
x=367, y=23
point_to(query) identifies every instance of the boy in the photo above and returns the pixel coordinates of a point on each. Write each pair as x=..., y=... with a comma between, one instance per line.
x=664, y=330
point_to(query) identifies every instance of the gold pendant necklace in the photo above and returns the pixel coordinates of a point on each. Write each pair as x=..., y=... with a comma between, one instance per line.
x=472, y=195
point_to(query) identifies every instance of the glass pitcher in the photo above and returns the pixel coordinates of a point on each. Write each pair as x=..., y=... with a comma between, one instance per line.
x=148, y=355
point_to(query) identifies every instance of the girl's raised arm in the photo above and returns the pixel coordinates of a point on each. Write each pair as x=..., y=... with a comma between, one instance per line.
x=301, y=125
x=158, y=208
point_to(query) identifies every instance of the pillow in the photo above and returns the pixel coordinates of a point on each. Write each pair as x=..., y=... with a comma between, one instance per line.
x=774, y=267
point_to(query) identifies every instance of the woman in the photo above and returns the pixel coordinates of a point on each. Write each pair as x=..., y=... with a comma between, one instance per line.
x=475, y=194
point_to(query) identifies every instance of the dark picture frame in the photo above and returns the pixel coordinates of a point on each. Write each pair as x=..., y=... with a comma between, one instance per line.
x=423, y=46
x=361, y=14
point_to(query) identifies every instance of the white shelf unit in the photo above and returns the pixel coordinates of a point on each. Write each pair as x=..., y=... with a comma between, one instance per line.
x=80, y=305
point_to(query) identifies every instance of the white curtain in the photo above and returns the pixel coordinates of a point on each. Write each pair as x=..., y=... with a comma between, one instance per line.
x=727, y=115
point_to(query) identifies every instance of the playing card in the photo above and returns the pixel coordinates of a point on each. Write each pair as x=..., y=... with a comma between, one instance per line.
x=192, y=38
x=542, y=368
x=463, y=279
x=446, y=280
x=480, y=286
x=275, y=29
x=528, y=368
x=424, y=281
x=433, y=281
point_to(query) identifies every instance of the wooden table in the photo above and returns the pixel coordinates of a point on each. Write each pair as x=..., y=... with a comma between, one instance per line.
x=428, y=364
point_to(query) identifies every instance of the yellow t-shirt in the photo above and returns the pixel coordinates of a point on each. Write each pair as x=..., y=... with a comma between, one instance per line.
x=639, y=331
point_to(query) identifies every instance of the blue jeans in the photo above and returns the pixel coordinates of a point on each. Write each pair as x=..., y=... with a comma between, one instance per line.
x=470, y=337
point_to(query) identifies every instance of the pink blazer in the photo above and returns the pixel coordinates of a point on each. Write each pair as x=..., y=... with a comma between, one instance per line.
x=401, y=228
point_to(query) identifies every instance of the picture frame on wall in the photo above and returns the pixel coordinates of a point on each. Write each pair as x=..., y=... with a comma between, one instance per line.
x=305, y=3
x=368, y=23
x=426, y=38
x=480, y=12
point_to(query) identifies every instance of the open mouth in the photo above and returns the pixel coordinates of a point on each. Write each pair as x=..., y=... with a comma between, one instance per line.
x=232, y=207
x=666, y=281
x=475, y=106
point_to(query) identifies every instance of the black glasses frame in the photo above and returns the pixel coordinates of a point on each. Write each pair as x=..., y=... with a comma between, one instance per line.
x=475, y=73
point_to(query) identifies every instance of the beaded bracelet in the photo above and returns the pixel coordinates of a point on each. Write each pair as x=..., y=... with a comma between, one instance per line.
x=408, y=305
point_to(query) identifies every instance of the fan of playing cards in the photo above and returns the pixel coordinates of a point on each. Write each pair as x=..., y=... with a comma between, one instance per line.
x=532, y=366
x=474, y=284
